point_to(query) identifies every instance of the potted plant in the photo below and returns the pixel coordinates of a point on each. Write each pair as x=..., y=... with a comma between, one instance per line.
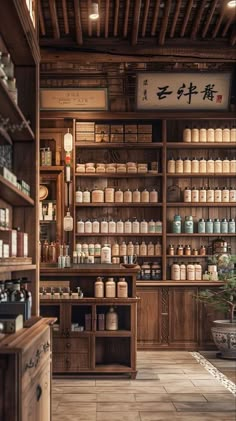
x=223, y=298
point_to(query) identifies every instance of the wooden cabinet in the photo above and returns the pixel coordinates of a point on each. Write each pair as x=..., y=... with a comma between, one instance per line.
x=93, y=349
x=149, y=317
x=19, y=140
x=25, y=362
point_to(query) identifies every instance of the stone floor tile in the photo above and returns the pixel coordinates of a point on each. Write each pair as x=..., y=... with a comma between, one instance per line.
x=147, y=375
x=115, y=397
x=73, y=382
x=220, y=397
x=171, y=397
x=207, y=383
x=113, y=383
x=190, y=416
x=75, y=397
x=118, y=416
x=75, y=417
x=205, y=406
x=135, y=406
x=132, y=389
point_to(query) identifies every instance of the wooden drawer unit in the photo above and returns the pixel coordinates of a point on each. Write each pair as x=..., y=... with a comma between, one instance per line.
x=70, y=362
x=80, y=345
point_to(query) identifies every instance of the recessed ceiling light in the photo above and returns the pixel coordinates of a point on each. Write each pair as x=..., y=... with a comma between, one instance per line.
x=94, y=12
x=231, y=3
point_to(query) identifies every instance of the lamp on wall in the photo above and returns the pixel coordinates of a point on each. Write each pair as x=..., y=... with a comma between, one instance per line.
x=94, y=12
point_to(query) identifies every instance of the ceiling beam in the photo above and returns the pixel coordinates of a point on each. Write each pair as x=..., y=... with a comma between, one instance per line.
x=99, y=19
x=107, y=19
x=116, y=18
x=217, y=26
x=65, y=17
x=186, y=17
x=137, y=10
x=41, y=20
x=155, y=17
x=164, y=23
x=197, y=21
x=53, y=13
x=175, y=18
x=78, y=26
x=209, y=18
x=145, y=16
x=126, y=20
x=228, y=23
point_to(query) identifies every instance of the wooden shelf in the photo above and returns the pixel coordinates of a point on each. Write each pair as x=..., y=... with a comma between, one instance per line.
x=196, y=234
x=202, y=204
x=117, y=175
x=113, y=333
x=118, y=235
x=123, y=204
x=113, y=145
x=51, y=168
x=113, y=368
x=15, y=268
x=90, y=300
x=9, y=109
x=149, y=283
x=12, y=195
x=201, y=145
x=198, y=256
x=203, y=175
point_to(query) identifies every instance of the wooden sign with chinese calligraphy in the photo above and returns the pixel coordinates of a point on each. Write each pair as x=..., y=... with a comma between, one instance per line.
x=183, y=91
x=78, y=99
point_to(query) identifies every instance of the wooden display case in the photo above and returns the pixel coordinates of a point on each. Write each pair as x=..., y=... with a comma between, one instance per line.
x=93, y=350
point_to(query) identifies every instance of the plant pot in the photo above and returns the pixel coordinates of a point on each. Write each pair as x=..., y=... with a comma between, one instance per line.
x=224, y=335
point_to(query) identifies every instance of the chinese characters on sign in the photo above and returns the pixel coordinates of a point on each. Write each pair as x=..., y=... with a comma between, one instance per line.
x=183, y=91
x=74, y=99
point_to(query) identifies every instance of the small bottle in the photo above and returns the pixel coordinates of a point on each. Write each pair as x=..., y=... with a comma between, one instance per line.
x=171, y=250
x=151, y=226
x=233, y=134
x=144, y=227
x=216, y=226
x=202, y=135
x=130, y=249
x=104, y=227
x=97, y=250
x=180, y=250
x=232, y=195
x=187, y=195
x=218, y=135
x=202, y=250
x=198, y=271
x=122, y=288
x=187, y=250
x=143, y=249
x=123, y=249
x=127, y=196
x=99, y=288
x=68, y=222
x=136, y=249
x=158, y=227
x=111, y=320
x=80, y=227
x=78, y=196
x=183, y=271
x=202, y=165
x=231, y=226
x=136, y=196
x=226, y=134
x=210, y=195
x=128, y=227
x=210, y=166
x=209, y=226
x=120, y=227
x=225, y=194
x=119, y=196
x=86, y=196
x=195, y=166
x=187, y=165
x=179, y=166
x=187, y=135
x=225, y=165
x=202, y=195
x=188, y=224
x=233, y=166
x=110, y=288
x=95, y=226
x=88, y=227
x=210, y=135
x=106, y=254
x=150, y=249
x=195, y=135
x=195, y=195
x=145, y=196
x=112, y=227
x=175, y=272
x=224, y=226
x=158, y=249
x=153, y=196
x=176, y=224
x=135, y=226
x=217, y=195
x=91, y=249
x=218, y=166
x=109, y=195
x=190, y=272
x=171, y=166
x=201, y=226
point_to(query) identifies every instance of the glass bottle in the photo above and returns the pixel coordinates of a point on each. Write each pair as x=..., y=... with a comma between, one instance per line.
x=195, y=135
x=111, y=319
x=122, y=288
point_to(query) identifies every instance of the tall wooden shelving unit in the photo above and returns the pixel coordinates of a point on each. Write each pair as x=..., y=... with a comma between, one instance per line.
x=20, y=40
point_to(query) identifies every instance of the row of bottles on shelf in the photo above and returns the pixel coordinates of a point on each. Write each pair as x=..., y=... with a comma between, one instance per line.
x=150, y=271
x=21, y=185
x=104, y=321
x=210, y=194
x=120, y=227
x=45, y=156
x=15, y=290
x=60, y=293
x=112, y=195
x=186, y=272
x=210, y=135
x=116, y=250
x=4, y=218
x=110, y=288
x=187, y=250
x=120, y=168
x=201, y=165
x=13, y=243
x=7, y=75
x=54, y=252
x=207, y=226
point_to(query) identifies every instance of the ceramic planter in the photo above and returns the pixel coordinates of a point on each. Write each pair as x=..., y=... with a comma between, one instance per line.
x=224, y=335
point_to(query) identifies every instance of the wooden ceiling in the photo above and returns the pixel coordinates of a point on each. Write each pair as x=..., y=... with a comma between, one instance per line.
x=142, y=27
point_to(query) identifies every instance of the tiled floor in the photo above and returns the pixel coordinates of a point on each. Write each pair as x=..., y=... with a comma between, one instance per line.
x=170, y=386
x=227, y=367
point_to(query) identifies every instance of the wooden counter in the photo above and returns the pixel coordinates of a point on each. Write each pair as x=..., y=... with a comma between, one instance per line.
x=25, y=372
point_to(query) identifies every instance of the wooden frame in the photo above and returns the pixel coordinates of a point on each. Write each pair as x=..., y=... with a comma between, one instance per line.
x=77, y=99
x=183, y=91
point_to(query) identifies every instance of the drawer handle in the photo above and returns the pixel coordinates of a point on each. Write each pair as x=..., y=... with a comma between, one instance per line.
x=38, y=392
x=68, y=345
x=67, y=333
x=30, y=364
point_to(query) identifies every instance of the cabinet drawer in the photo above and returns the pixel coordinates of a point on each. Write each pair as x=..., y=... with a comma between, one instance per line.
x=116, y=138
x=70, y=362
x=131, y=128
x=71, y=345
x=35, y=357
x=101, y=138
x=84, y=137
